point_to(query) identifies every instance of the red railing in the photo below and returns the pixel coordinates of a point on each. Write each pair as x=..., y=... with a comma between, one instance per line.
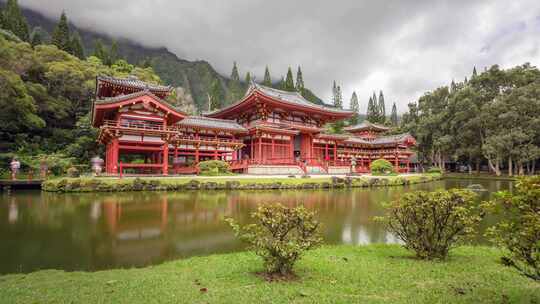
x=133, y=125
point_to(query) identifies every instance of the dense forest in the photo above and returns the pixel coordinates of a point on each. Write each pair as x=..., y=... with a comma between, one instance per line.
x=493, y=118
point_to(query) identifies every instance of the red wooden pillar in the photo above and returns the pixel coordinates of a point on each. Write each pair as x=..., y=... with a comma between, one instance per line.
x=175, y=161
x=335, y=151
x=291, y=147
x=273, y=149
x=114, y=157
x=252, y=148
x=260, y=148
x=396, y=163
x=196, y=153
x=217, y=146
x=326, y=156
x=166, y=158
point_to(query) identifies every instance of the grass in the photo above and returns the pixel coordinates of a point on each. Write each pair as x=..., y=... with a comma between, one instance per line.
x=332, y=274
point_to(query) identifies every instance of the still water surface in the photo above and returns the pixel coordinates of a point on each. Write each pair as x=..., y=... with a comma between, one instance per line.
x=93, y=231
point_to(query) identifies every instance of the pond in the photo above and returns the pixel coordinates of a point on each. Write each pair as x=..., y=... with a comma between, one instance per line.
x=93, y=231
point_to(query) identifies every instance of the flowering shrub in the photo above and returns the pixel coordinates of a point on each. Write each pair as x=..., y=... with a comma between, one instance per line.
x=519, y=228
x=430, y=223
x=214, y=167
x=280, y=235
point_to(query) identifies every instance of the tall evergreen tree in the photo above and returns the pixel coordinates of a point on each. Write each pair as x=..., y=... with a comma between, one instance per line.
x=289, y=81
x=474, y=71
x=215, y=95
x=355, y=107
x=248, y=78
x=267, y=79
x=76, y=46
x=382, y=108
x=113, y=53
x=60, y=36
x=99, y=51
x=281, y=84
x=14, y=21
x=36, y=39
x=235, y=90
x=299, y=81
x=393, y=116
x=338, y=97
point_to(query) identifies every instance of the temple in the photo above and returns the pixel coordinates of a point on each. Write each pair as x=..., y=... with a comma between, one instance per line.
x=268, y=131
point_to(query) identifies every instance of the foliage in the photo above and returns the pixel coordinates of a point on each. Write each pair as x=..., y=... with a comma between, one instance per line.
x=337, y=97
x=76, y=46
x=431, y=223
x=73, y=172
x=214, y=167
x=299, y=81
x=13, y=20
x=289, y=81
x=280, y=235
x=381, y=167
x=492, y=118
x=519, y=228
x=267, y=81
x=61, y=37
x=394, y=116
x=46, y=93
x=355, y=107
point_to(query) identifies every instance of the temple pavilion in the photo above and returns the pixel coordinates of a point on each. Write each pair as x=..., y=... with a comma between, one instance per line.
x=268, y=131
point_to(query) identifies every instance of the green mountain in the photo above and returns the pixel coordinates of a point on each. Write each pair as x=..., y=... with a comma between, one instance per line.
x=195, y=77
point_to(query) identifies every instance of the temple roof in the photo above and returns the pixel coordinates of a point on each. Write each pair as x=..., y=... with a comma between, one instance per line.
x=133, y=82
x=291, y=98
x=389, y=139
x=366, y=125
x=119, y=98
x=213, y=123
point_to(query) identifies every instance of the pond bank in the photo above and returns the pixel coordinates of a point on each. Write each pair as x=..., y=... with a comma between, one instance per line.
x=331, y=274
x=481, y=176
x=228, y=183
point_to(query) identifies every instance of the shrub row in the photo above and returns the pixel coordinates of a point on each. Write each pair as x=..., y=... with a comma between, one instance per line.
x=139, y=184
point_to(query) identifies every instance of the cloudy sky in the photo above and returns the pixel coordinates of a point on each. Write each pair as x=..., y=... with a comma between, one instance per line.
x=404, y=48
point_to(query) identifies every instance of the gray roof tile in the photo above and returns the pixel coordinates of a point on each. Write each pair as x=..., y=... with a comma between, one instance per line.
x=201, y=121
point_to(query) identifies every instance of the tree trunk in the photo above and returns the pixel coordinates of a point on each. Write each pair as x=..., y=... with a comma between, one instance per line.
x=498, y=167
x=478, y=166
x=533, y=167
x=510, y=165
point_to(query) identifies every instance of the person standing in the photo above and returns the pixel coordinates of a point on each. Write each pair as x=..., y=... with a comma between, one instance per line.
x=15, y=166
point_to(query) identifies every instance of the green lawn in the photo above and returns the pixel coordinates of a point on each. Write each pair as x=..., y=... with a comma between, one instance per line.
x=333, y=274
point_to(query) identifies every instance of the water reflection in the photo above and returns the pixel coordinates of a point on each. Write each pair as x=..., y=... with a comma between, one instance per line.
x=96, y=231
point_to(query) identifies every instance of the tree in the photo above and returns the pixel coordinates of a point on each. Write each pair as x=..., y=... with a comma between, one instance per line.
x=355, y=107
x=289, y=81
x=299, y=81
x=393, y=116
x=113, y=53
x=337, y=96
x=281, y=84
x=372, y=114
x=248, y=78
x=14, y=21
x=215, y=95
x=100, y=51
x=60, y=36
x=267, y=79
x=76, y=46
x=235, y=90
x=382, y=108
x=474, y=72
x=36, y=37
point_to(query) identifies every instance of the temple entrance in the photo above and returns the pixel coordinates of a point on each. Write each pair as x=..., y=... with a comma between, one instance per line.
x=297, y=146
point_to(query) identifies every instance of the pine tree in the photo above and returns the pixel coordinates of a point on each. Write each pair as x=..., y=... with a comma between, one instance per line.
x=60, y=36
x=235, y=90
x=355, y=107
x=99, y=51
x=36, y=39
x=248, y=78
x=267, y=79
x=299, y=81
x=113, y=53
x=281, y=84
x=76, y=46
x=382, y=108
x=474, y=72
x=289, y=81
x=393, y=116
x=215, y=95
x=338, y=97
x=14, y=21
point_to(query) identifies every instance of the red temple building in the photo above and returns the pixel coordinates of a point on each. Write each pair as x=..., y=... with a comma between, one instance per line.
x=268, y=131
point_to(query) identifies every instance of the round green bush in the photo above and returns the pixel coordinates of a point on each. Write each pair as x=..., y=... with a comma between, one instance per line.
x=434, y=170
x=381, y=167
x=214, y=167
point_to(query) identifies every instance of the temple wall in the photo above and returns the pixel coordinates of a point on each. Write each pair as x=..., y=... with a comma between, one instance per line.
x=269, y=170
